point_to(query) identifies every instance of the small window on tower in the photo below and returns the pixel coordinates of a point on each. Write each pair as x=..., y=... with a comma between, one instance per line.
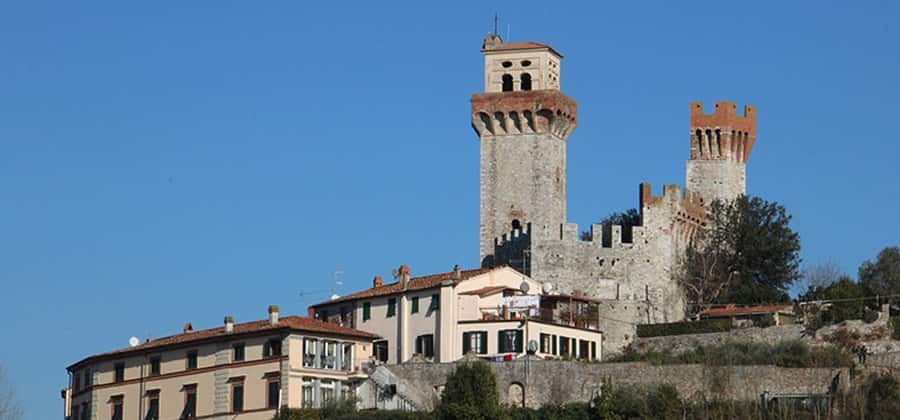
x=507, y=83
x=507, y=64
x=526, y=81
x=516, y=224
x=526, y=63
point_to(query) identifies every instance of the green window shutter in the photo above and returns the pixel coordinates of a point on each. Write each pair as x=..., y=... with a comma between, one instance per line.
x=501, y=343
x=466, y=344
x=415, y=305
x=367, y=311
x=553, y=345
x=519, y=345
x=435, y=303
x=484, y=343
x=392, y=307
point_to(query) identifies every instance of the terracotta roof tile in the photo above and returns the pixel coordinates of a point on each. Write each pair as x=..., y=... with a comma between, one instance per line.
x=415, y=283
x=526, y=45
x=734, y=310
x=294, y=323
x=485, y=291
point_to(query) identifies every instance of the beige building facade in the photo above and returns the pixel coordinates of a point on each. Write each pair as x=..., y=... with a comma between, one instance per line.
x=237, y=371
x=492, y=312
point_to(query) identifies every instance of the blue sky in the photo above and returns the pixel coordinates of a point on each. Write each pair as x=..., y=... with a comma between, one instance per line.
x=166, y=163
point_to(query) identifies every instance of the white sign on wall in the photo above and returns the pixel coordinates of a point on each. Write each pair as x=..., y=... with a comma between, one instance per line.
x=530, y=303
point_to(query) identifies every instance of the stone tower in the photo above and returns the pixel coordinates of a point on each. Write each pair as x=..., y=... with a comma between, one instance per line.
x=523, y=122
x=720, y=146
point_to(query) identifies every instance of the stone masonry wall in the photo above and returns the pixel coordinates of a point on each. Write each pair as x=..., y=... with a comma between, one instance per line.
x=556, y=382
x=681, y=343
x=717, y=179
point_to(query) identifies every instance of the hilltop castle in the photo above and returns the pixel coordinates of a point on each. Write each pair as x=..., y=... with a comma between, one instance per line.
x=523, y=121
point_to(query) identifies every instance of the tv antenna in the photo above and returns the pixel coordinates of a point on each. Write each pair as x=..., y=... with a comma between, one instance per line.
x=335, y=282
x=496, y=22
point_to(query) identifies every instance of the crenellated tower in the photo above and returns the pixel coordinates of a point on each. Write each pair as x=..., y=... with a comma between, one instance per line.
x=721, y=143
x=523, y=121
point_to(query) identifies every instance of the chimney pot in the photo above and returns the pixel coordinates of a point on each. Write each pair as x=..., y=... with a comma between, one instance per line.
x=457, y=273
x=404, y=276
x=229, y=324
x=188, y=327
x=273, y=314
x=377, y=282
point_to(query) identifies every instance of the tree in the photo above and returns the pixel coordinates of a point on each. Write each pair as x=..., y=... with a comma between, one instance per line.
x=882, y=277
x=627, y=219
x=822, y=274
x=748, y=254
x=470, y=393
x=848, y=296
x=10, y=409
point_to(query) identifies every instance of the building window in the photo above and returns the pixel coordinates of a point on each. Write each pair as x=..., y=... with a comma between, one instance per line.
x=326, y=387
x=77, y=385
x=237, y=397
x=584, y=349
x=425, y=345
x=272, y=348
x=563, y=346
x=392, y=307
x=155, y=366
x=509, y=341
x=415, y=305
x=308, y=389
x=367, y=311
x=593, y=350
x=117, y=408
x=526, y=82
x=273, y=391
x=192, y=359
x=553, y=339
x=88, y=380
x=120, y=372
x=309, y=352
x=347, y=359
x=475, y=341
x=190, y=402
x=152, y=405
x=237, y=352
x=330, y=361
x=435, y=303
x=507, y=83
x=380, y=349
x=545, y=343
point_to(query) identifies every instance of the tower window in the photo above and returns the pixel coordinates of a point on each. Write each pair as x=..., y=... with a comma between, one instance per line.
x=526, y=63
x=507, y=83
x=516, y=224
x=507, y=64
x=526, y=81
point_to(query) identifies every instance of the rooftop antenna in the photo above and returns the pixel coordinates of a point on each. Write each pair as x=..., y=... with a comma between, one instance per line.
x=496, y=22
x=507, y=33
x=337, y=282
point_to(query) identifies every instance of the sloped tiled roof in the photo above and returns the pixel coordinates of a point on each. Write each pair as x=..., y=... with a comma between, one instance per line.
x=489, y=290
x=415, y=283
x=734, y=310
x=294, y=323
x=526, y=45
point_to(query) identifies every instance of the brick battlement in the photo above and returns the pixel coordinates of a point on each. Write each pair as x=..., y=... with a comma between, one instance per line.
x=722, y=135
x=529, y=112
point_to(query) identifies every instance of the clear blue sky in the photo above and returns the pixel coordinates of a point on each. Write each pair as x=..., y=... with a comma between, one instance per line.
x=165, y=163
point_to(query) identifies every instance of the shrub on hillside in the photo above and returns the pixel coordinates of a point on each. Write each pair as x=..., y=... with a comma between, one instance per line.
x=680, y=328
x=790, y=353
x=470, y=393
x=766, y=320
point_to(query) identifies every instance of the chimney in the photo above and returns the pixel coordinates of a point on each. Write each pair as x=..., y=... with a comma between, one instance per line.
x=404, y=276
x=273, y=314
x=188, y=328
x=376, y=282
x=229, y=324
x=457, y=273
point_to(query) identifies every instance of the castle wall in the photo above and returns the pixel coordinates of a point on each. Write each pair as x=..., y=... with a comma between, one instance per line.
x=717, y=179
x=522, y=178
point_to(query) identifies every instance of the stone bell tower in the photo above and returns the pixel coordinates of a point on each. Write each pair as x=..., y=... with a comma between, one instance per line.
x=523, y=121
x=721, y=143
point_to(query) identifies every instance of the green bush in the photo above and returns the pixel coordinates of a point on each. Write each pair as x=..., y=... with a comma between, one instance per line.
x=470, y=393
x=870, y=316
x=679, y=328
x=789, y=353
x=766, y=320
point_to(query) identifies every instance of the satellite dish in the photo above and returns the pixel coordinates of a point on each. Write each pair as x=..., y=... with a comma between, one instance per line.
x=335, y=296
x=524, y=287
x=133, y=341
x=532, y=346
x=547, y=287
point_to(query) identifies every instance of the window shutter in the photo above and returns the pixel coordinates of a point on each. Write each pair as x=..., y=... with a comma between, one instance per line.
x=519, y=345
x=501, y=342
x=466, y=342
x=553, y=345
